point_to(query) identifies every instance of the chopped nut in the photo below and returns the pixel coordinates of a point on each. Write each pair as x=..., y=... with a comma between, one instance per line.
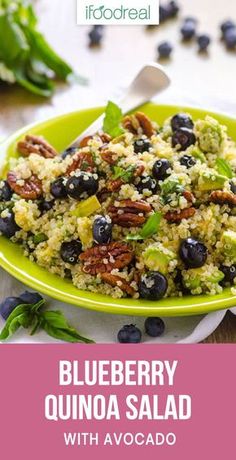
x=36, y=144
x=85, y=141
x=129, y=213
x=82, y=161
x=30, y=190
x=114, y=185
x=220, y=197
x=177, y=216
x=188, y=196
x=109, y=157
x=118, y=281
x=106, y=257
x=137, y=121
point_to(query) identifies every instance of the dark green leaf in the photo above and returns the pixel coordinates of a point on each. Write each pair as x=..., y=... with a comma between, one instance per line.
x=13, y=42
x=56, y=325
x=112, y=120
x=39, y=238
x=149, y=229
x=224, y=168
x=124, y=174
x=21, y=316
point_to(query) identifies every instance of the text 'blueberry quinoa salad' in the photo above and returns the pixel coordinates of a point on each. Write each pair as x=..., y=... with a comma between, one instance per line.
x=138, y=210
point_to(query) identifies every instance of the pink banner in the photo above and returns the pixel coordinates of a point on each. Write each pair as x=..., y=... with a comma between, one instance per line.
x=74, y=401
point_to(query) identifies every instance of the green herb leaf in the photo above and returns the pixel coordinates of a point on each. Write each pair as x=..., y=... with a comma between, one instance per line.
x=39, y=238
x=149, y=229
x=224, y=168
x=21, y=316
x=112, y=120
x=124, y=174
x=56, y=325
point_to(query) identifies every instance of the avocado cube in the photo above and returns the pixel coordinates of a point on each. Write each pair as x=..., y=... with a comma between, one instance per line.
x=211, y=180
x=157, y=258
x=229, y=243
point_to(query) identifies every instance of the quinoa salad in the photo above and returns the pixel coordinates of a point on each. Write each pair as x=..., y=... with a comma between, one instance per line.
x=139, y=210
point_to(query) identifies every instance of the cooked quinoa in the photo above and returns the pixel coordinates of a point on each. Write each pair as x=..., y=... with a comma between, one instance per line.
x=150, y=213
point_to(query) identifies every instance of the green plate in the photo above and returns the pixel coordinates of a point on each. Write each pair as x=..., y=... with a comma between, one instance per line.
x=60, y=131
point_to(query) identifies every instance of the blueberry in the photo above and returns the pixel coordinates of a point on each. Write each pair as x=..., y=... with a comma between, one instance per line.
x=153, y=286
x=95, y=36
x=129, y=334
x=69, y=152
x=160, y=169
x=193, y=253
x=165, y=49
x=188, y=161
x=181, y=120
x=183, y=138
x=147, y=183
x=188, y=30
x=230, y=38
x=5, y=191
x=163, y=13
x=45, y=206
x=203, y=42
x=30, y=297
x=233, y=187
x=173, y=9
x=102, y=230
x=8, y=226
x=70, y=251
x=8, y=305
x=82, y=185
x=190, y=19
x=226, y=25
x=142, y=145
x=58, y=188
x=230, y=274
x=154, y=327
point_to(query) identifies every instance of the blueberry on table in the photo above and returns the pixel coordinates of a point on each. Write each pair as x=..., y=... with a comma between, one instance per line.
x=82, y=186
x=70, y=251
x=203, y=42
x=226, y=25
x=173, y=9
x=181, y=120
x=147, y=183
x=30, y=297
x=154, y=327
x=8, y=226
x=95, y=36
x=153, y=286
x=193, y=253
x=129, y=334
x=58, y=188
x=230, y=274
x=69, y=152
x=188, y=161
x=160, y=169
x=188, y=30
x=5, y=191
x=164, y=49
x=8, y=305
x=102, y=230
x=45, y=206
x=142, y=145
x=233, y=187
x=163, y=13
x=230, y=38
x=183, y=138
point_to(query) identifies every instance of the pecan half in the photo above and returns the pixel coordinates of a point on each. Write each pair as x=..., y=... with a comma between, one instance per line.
x=118, y=281
x=106, y=257
x=129, y=213
x=114, y=185
x=176, y=216
x=220, y=197
x=138, y=121
x=85, y=141
x=36, y=144
x=188, y=196
x=83, y=161
x=30, y=190
x=108, y=157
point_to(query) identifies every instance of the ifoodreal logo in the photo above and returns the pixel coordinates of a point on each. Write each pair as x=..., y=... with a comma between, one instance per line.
x=118, y=12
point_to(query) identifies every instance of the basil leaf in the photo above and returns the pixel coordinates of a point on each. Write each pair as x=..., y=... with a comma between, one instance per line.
x=112, y=120
x=13, y=42
x=149, y=229
x=21, y=316
x=124, y=174
x=56, y=325
x=224, y=168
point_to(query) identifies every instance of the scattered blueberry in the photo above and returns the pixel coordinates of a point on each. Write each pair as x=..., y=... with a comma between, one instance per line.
x=188, y=161
x=226, y=25
x=230, y=38
x=203, y=42
x=8, y=305
x=230, y=274
x=69, y=152
x=193, y=253
x=95, y=36
x=190, y=19
x=164, y=50
x=70, y=251
x=82, y=185
x=163, y=13
x=160, y=169
x=181, y=120
x=30, y=297
x=153, y=286
x=233, y=187
x=5, y=192
x=58, y=188
x=8, y=226
x=188, y=29
x=147, y=183
x=45, y=206
x=102, y=230
x=142, y=145
x=183, y=138
x=129, y=334
x=154, y=327
x=173, y=9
